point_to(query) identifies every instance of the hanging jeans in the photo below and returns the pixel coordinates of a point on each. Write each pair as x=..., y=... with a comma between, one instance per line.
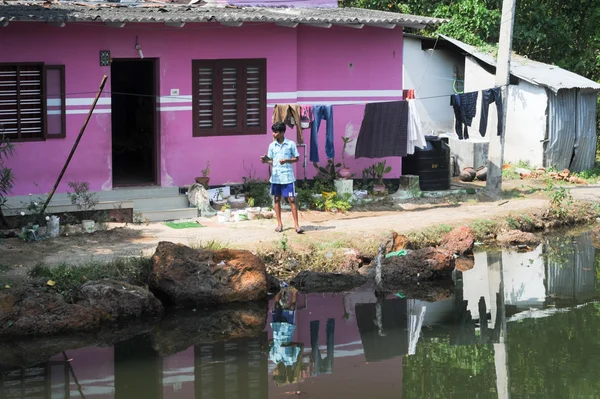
x=321, y=112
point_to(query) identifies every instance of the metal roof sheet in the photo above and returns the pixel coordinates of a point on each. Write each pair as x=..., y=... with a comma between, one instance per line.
x=153, y=12
x=537, y=73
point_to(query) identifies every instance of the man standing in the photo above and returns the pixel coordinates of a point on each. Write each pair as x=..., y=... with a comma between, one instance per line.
x=282, y=154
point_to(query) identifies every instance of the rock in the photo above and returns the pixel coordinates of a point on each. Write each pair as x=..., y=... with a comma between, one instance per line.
x=459, y=241
x=396, y=242
x=308, y=281
x=517, y=237
x=424, y=264
x=190, y=277
x=462, y=263
x=119, y=300
x=28, y=311
x=352, y=261
x=273, y=284
x=185, y=327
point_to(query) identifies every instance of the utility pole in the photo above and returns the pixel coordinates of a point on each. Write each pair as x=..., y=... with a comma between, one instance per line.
x=496, y=149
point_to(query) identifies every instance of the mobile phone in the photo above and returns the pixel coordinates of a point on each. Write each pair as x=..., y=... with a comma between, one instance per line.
x=264, y=158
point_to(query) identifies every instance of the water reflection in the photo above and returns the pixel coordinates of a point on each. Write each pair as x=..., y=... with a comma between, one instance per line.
x=520, y=325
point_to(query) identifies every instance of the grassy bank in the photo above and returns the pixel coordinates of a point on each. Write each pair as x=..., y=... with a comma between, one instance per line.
x=285, y=257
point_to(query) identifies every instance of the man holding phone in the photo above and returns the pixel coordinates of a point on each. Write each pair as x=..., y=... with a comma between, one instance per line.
x=282, y=154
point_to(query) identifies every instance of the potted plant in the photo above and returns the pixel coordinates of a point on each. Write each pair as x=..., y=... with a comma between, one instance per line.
x=85, y=201
x=345, y=171
x=380, y=169
x=224, y=214
x=204, y=179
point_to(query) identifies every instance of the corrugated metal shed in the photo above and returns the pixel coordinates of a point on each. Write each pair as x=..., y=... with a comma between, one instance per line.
x=177, y=13
x=538, y=73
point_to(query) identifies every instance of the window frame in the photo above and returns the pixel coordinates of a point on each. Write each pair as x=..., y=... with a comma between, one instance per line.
x=63, y=102
x=218, y=65
x=43, y=136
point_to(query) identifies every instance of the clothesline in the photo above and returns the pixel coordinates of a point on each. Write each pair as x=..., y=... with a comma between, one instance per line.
x=186, y=97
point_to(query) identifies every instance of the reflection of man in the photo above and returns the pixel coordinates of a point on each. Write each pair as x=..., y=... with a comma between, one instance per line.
x=284, y=353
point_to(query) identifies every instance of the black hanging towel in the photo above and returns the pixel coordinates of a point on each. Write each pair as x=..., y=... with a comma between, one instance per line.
x=487, y=97
x=384, y=130
x=465, y=107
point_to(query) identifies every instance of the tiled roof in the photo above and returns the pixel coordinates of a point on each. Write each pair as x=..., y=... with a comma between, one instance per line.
x=155, y=12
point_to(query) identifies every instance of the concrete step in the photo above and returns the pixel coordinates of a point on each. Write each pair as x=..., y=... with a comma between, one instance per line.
x=167, y=214
x=137, y=192
x=158, y=203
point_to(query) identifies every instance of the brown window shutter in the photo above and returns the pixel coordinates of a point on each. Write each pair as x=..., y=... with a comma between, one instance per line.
x=230, y=101
x=229, y=97
x=204, y=103
x=255, y=83
x=21, y=107
x=55, y=102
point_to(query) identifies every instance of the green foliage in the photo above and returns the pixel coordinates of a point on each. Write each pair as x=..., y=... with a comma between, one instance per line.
x=520, y=222
x=304, y=196
x=560, y=200
x=7, y=181
x=329, y=171
x=381, y=169
x=430, y=237
x=346, y=140
x=256, y=189
x=322, y=185
x=483, y=228
x=470, y=21
x=591, y=175
x=69, y=278
x=334, y=203
x=82, y=198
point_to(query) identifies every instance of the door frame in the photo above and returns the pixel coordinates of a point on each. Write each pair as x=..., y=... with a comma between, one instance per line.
x=156, y=153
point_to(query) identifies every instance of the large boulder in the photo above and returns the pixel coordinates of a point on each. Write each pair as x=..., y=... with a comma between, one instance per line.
x=184, y=328
x=459, y=241
x=308, y=281
x=28, y=311
x=192, y=277
x=517, y=237
x=118, y=300
x=35, y=311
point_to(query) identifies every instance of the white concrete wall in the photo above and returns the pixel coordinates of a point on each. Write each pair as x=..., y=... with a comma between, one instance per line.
x=526, y=118
x=431, y=73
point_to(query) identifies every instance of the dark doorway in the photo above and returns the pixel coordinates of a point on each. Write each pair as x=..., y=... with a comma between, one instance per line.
x=134, y=144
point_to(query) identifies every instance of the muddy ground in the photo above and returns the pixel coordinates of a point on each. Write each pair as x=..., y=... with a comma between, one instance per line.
x=368, y=223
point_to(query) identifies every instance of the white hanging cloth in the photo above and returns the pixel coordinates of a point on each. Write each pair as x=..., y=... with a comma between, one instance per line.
x=416, y=137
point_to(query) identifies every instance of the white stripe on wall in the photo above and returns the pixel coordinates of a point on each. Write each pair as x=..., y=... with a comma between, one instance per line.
x=350, y=93
x=182, y=108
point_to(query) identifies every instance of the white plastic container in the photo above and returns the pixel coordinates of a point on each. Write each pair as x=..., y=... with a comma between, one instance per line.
x=53, y=227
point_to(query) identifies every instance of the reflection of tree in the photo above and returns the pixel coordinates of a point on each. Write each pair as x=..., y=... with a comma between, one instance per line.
x=557, y=356
x=441, y=370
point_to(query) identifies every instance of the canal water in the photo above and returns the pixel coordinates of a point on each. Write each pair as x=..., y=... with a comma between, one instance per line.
x=518, y=325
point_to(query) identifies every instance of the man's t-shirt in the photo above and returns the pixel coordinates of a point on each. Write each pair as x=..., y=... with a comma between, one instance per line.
x=282, y=174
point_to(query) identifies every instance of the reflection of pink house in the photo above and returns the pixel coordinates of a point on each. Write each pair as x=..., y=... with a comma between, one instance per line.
x=186, y=85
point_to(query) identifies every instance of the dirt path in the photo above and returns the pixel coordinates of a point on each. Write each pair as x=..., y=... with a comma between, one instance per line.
x=134, y=240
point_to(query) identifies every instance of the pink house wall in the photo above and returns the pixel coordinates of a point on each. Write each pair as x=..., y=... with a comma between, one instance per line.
x=341, y=66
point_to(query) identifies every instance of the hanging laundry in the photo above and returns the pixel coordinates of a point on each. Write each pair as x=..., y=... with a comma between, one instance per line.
x=306, y=116
x=487, y=97
x=289, y=114
x=465, y=107
x=384, y=130
x=416, y=137
x=321, y=112
x=408, y=94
